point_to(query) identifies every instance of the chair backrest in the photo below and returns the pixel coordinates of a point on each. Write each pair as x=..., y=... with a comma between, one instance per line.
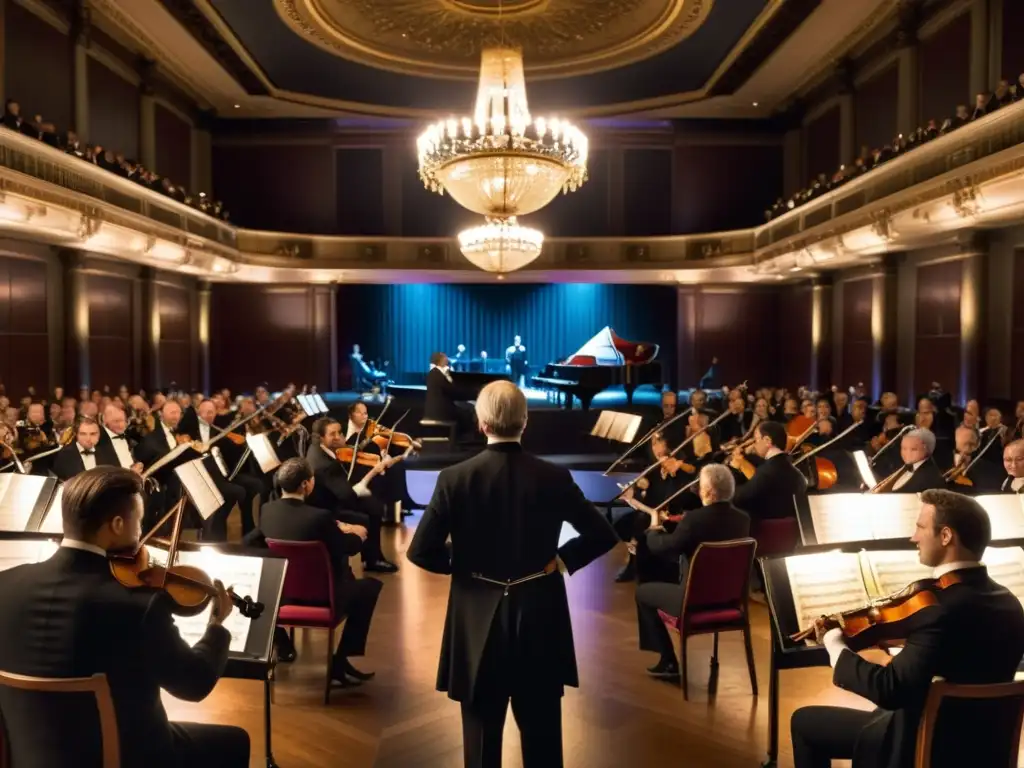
x=1000, y=710
x=38, y=733
x=309, y=579
x=719, y=575
x=778, y=536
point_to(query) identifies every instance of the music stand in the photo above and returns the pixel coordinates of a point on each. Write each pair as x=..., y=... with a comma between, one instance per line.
x=308, y=405
x=24, y=500
x=321, y=406
x=263, y=451
x=613, y=425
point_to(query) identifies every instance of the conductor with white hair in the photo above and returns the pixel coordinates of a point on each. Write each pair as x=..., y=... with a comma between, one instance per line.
x=919, y=472
x=717, y=520
x=508, y=634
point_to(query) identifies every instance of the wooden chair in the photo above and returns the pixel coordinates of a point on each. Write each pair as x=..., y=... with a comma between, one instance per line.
x=716, y=600
x=97, y=685
x=1008, y=697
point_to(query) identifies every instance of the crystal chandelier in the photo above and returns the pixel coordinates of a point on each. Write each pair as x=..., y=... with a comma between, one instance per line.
x=501, y=245
x=502, y=163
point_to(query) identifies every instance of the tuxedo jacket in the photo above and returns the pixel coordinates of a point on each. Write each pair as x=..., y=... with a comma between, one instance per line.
x=68, y=617
x=504, y=510
x=720, y=521
x=975, y=635
x=333, y=491
x=294, y=520
x=1007, y=486
x=925, y=478
x=441, y=397
x=69, y=461
x=769, y=493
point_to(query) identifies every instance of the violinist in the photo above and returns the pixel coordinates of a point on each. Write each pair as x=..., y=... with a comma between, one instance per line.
x=660, y=485
x=114, y=439
x=974, y=635
x=349, y=502
x=716, y=520
x=844, y=418
x=769, y=493
x=389, y=487
x=35, y=438
x=736, y=425
x=69, y=617
x=919, y=471
x=83, y=453
x=705, y=443
x=1013, y=462
x=674, y=433
x=970, y=473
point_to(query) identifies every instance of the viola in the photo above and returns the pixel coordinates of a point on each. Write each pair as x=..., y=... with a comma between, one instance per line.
x=191, y=589
x=885, y=622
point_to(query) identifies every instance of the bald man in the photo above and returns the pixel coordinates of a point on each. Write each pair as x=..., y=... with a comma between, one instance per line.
x=1013, y=462
x=115, y=447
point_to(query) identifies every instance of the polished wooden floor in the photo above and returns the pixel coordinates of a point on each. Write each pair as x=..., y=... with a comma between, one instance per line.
x=618, y=716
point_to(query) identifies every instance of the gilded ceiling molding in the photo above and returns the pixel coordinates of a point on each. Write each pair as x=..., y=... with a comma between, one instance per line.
x=443, y=38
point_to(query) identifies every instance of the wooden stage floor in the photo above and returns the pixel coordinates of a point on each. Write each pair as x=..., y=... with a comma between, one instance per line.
x=618, y=717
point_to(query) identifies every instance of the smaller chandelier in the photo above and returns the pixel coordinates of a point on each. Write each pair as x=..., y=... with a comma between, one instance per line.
x=501, y=245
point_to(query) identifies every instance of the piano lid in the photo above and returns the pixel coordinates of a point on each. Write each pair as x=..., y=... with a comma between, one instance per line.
x=606, y=348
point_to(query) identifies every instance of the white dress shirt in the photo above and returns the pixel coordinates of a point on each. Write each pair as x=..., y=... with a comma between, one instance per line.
x=905, y=477
x=124, y=455
x=835, y=644
x=204, y=438
x=83, y=545
x=89, y=460
x=352, y=429
x=1015, y=484
x=772, y=453
x=171, y=442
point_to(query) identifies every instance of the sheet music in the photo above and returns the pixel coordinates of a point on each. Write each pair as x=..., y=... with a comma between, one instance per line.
x=604, y=422
x=894, y=515
x=308, y=405
x=53, y=521
x=892, y=571
x=825, y=583
x=840, y=517
x=237, y=571
x=263, y=451
x=1006, y=513
x=200, y=487
x=14, y=553
x=867, y=476
x=1006, y=567
x=18, y=496
x=320, y=404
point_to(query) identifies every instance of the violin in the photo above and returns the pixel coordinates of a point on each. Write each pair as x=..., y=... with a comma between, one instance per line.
x=798, y=429
x=363, y=458
x=885, y=622
x=670, y=466
x=191, y=589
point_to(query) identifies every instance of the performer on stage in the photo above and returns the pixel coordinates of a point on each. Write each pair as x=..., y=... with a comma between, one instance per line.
x=68, y=617
x=515, y=359
x=974, y=635
x=508, y=634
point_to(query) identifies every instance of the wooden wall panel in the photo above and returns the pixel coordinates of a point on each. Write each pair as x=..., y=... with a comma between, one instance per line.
x=286, y=188
x=37, y=67
x=821, y=140
x=858, y=342
x=875, y=105
x=793, y=339
x=734, y=325
x=1017, y=342
x=113, y=111
x=647, y=192
x=1013, y=40
x=175, y=344
x=264, y=333
x=359, y=179
x=706, y=195
x=24, y=342
x=937, y=333
x=110, y=331
x=173, y=147
x=945, y=70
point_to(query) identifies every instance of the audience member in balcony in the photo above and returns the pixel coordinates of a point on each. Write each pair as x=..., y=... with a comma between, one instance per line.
x=1018, y=88
x=931, y=131
x=72, y=146
x=1003, y=95
x=983, y=104
x=12, y=115
x=49, y=135
x=31, y=127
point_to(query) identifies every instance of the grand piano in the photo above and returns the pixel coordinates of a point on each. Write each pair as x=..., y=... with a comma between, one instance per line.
x=605, y=361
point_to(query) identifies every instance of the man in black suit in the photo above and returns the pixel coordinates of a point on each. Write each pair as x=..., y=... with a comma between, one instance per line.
x=508, y=634
x=984, y=475
x=769, y=493
x=441, y=390
x=114, y=440
x=717, y=520
x=348, y=502
x=83, y=453
x=291, y=519
x=919, y=472
x=974, y=635
x=68, y=617
x=1013, y=462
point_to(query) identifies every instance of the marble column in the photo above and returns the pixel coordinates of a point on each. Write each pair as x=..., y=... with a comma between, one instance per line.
x=821, y=334
x=202, y=156
x=980, y=81
x=792, y=171
x=884, y=328
x=79, y=39
x=76, y=320
x=205, y=293
x=152, y=379
x=147, y=115
x=847, y=130
x=973, y=290
x=908, y=105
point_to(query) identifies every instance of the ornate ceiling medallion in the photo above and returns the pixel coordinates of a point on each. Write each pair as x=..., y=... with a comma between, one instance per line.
x=444, y=38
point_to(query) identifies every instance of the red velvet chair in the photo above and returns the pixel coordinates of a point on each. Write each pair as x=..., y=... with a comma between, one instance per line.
x=775, y=537
x=309, y=587
x=715, y=600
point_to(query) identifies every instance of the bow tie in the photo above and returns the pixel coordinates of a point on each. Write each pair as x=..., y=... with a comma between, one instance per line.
x=88, y=452
x=118, y=437
x=908, y=468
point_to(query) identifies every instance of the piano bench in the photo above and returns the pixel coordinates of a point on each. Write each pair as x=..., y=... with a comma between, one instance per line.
x=436, y=431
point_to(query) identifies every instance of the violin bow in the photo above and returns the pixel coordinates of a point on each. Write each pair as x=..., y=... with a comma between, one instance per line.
x=823, y=446
x=391, y=431
x=664, y=424
x=885, y=447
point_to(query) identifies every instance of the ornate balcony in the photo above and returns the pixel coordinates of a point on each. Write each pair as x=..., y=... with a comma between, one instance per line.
x=971, y=178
